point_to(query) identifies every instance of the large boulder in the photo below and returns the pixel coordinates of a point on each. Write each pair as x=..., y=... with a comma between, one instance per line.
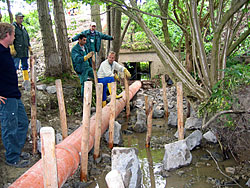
x=126, y=162
x=193, y=123
x=177, y=154
x=194, y=139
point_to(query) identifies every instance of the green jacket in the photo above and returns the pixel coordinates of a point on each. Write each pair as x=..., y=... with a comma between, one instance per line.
x=77, y=55
x=22, y=41
x=98, y=39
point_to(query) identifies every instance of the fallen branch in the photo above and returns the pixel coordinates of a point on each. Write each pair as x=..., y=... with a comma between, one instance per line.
x=221, y=170
x=221, y=113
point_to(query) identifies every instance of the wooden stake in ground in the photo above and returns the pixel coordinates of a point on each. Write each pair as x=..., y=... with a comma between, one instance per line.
x=85, y=130
x=165, y=99
x=94, y=68
x=60, y=99
x=33, y=103
x=49, y=157
x=149, y=124
x=180, y=111
x=127, y=96
x=98, y=122
x=146, y=105
x=112, y=115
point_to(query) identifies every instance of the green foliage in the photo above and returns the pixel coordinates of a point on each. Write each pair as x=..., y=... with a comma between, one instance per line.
x=222, y=97
x=30, y=22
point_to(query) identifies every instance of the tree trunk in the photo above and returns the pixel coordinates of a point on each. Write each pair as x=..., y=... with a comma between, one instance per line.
x=108, y=26
x=95, y=17
x=0, y=16
x=9, y=11
x=62, y=36
x=116, y=31
x=53, y=65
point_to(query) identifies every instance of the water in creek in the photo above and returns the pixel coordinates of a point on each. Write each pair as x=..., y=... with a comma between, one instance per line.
x=200, y=173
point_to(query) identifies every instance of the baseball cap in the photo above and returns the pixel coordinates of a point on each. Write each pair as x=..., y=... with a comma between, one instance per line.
x=92, y=23
x=19, y=14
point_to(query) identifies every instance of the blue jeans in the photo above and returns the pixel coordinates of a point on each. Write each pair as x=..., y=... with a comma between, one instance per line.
x=14, y=126
x=105, y=82
x=24, y=61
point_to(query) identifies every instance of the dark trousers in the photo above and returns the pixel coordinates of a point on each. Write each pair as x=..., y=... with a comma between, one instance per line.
x=14, y=127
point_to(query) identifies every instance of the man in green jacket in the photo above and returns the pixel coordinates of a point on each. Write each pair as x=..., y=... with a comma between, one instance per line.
x=94, y=38
x=20, y=50
x=81, y=61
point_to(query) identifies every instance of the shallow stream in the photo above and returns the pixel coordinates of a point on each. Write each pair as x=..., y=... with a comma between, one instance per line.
x=202, y=172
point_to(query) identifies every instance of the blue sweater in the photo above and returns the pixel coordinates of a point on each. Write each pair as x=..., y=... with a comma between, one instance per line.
x=8, y=76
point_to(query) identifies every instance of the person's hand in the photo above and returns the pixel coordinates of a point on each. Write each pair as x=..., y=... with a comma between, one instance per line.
x=69, y=40
x=12, y=50
x=113, y=38
x=30, y=50
x=2, y=100
x=89, y=55
x=127, y=73
x=116, y=77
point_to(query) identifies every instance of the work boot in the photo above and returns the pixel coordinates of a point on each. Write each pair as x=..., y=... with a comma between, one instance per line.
x=117, y=96
x=26, y=83
x=104, y=103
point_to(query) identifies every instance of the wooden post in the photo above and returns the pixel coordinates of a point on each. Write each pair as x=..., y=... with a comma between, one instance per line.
x=33, y=103
x=180, y=111
x=127, y=96
x=146, y=105
x=85, y=130
x=112, y=115
x=149, y=124
x=98, y=121
x=50, y=179
x=60, y=99
x=94, y=69
x=165, y=99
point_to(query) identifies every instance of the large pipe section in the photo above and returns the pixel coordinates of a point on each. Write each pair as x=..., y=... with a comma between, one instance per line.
x=67, y=152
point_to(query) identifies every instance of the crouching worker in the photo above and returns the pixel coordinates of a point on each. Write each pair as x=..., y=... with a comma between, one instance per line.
x=106, y=75
x=81, y=60
x=13, y=118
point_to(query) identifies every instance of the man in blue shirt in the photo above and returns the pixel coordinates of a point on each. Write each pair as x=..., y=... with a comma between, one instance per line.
x=13, y=118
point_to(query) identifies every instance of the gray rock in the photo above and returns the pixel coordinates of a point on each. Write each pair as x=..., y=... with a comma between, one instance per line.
x=51, y=89
x=194, y=139
x=193, y=123
x=141, y=122
x=157, y=112
x=41, y=87
x=117, y=134
x=176, y=155
x=172, y=119
x=125, y=160
x=210, y=137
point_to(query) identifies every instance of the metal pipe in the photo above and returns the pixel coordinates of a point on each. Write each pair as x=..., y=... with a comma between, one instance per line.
x=67, y=152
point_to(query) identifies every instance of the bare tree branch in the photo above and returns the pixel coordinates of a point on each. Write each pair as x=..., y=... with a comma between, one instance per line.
x=221, y=113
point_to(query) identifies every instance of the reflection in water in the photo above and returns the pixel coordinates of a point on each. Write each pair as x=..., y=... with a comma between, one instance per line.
x=150, y=167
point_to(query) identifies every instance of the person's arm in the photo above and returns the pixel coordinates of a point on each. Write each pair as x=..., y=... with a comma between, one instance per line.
x=2, y=100
x=106, y=37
